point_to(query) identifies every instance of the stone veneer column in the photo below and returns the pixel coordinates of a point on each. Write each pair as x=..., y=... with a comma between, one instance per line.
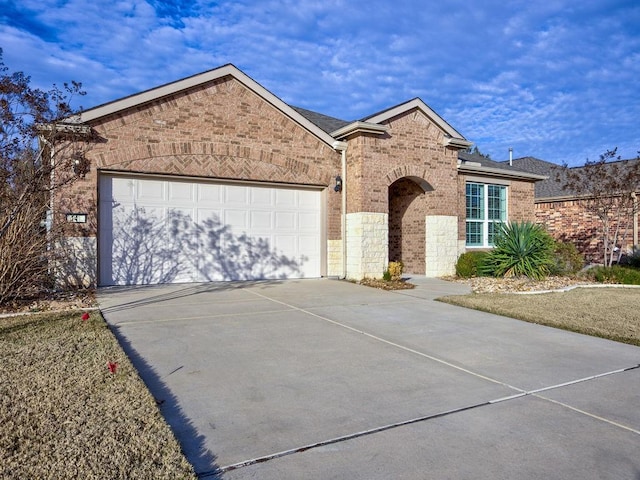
x=441, y=245
x=367, y=245
x=76, y=262
x=334, y=258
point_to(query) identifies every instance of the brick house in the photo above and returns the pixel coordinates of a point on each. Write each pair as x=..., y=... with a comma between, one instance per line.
x=565, y=215
x=213, y=177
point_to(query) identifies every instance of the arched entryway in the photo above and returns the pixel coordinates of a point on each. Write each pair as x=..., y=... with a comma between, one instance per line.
x=407, y=230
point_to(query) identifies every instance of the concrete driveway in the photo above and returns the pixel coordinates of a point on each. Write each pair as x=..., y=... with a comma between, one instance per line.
x=323, y=379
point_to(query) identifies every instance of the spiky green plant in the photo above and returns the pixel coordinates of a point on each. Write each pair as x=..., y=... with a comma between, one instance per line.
x=521, y=249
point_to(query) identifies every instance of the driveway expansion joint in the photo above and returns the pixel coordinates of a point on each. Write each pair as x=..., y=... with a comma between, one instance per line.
x=425, y=418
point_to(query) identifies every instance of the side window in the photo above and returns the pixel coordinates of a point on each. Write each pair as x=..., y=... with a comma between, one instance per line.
x=486, y=210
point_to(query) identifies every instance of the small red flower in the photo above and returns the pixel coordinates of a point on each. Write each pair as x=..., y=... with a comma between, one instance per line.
x=85, y=316
x=112, y=366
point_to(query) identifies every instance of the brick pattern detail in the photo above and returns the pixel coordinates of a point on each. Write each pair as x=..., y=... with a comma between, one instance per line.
x=219, y=130
x=570, y=221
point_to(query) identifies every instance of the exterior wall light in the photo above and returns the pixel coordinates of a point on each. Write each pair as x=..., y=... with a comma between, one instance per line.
x=80, y=165
x=338, y=187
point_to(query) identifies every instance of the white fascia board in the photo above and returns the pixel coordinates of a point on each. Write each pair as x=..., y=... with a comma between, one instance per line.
x=417, y=103
x=175, y=87
x=359, y=127
x=456, y=142
x=496, y=172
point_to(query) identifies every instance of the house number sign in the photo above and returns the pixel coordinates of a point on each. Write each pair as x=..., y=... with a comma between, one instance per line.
x=77, y=217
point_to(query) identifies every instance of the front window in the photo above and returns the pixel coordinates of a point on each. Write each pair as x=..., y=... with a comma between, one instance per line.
x=486, y=210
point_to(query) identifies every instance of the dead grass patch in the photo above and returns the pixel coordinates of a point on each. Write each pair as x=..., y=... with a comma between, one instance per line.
x=64, y=414
x=611, y=313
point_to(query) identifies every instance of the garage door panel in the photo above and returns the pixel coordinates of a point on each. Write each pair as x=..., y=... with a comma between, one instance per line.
x=151, y=191
x=210, y=193
x=308, y=200
x=236, y=195
x=261, y=220
x=308, y=221
x=236, y=220
x=285, y=221
x=286, y=198
x=261, y=197
x=182, y=192
x=162, y=231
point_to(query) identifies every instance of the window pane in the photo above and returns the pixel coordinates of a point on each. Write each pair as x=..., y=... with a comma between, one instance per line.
x=497, y=200
x=494, y=228
x=475, y=201
x=474, y=234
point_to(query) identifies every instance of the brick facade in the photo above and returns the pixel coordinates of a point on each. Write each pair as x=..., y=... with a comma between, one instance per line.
x=221, y=130
x=402, y=184
x=570, y=221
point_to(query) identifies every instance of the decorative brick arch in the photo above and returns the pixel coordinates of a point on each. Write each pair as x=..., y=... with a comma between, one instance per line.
x=412, y=172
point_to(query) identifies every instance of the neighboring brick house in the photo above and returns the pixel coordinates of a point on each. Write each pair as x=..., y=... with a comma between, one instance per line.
x=565, y=215
x=215, y=178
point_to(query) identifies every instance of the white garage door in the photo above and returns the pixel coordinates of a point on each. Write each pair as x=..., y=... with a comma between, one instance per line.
x=168, y=231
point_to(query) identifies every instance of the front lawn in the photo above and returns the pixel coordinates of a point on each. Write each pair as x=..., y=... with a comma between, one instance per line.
x=612, y=313
x=73, y=406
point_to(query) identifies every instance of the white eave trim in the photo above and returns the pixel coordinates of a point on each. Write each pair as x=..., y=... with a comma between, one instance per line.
x=496, y=172
x=175, y=87
x=359, y=127
x=456, y=142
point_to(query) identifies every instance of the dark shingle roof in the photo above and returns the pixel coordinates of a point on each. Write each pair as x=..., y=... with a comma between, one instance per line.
x=324, y=122
x=545, y=188
x=487, y=162
x=552, y=187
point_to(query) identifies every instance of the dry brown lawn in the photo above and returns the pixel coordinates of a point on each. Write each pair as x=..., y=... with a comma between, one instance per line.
x=612, y=313
x=64, y=414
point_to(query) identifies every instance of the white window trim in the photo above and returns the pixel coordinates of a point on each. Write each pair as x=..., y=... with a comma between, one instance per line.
x=485, y=222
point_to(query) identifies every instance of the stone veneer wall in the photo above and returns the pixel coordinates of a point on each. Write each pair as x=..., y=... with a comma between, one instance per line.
x=367, y=235
x=334, y=258
x=441, y=246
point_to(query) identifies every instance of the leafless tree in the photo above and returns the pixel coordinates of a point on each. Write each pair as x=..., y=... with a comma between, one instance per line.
x=41, y=149
x=607, y=188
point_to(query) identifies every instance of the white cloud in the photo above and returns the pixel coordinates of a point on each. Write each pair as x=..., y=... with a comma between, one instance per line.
x=554, y=79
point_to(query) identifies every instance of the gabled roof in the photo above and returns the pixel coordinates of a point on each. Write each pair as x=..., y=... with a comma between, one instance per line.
x=453, y=137
x=172, y=88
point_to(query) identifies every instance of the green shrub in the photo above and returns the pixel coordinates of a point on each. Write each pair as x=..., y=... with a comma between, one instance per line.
x=567, y=259
x=386, y=276
x=521, y=249
x=615, y=274
x=467, y=264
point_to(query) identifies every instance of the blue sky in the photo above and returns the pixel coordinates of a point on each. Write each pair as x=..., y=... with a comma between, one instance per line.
x=557, y=79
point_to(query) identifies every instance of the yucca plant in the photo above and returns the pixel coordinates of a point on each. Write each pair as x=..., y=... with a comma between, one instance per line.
x=521, y=249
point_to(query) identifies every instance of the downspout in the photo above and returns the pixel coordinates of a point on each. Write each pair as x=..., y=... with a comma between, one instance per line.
x=634, y=196
x=342, y=147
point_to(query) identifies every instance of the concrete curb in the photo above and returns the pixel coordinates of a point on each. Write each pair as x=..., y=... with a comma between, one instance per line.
x=573, y=287
x=22, y=314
